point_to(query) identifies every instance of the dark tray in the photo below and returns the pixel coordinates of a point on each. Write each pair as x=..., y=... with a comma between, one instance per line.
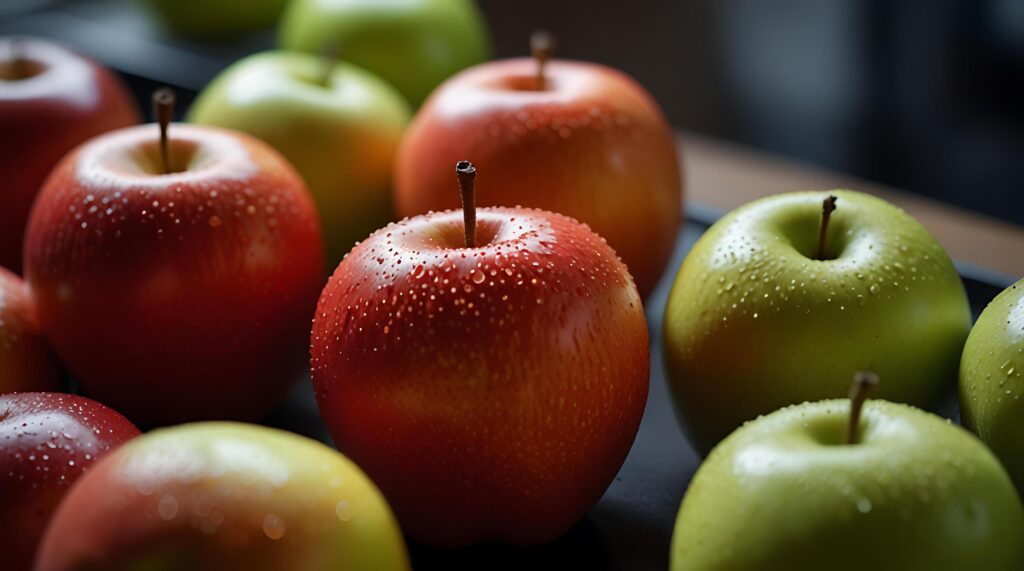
x=631, y=527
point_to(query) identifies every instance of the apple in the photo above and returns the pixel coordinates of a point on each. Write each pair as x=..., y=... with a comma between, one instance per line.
x=47, y=441
x=991, y=382
x=222, y=495
x=487, y=368
x=26, y=360
x=414, y=45
x=576, y=138
x=757, y=319
x=215, y=20
x=50, y=101
x=177, y=287
x=337, y=124
x=798, y=489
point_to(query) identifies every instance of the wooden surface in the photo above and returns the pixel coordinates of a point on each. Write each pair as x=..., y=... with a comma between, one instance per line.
x=723, y=176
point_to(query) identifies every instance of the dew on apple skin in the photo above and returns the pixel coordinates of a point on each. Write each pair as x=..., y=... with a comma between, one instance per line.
x=273, y=526
x=167, y=507
x=343, y=511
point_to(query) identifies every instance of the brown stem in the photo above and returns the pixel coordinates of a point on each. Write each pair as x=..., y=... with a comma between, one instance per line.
x=467, y=187
x=826, y=213
x=864, y=382
x=542, y=44
x=331, y=57
x=163, y=110
x=19, y=63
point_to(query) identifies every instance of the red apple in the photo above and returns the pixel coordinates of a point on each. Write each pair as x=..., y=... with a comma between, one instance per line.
x=177, y=296
x=223, y=496
x=584, y=140
x=26, y=361
x=50, y=101
x=47, y=440
x=491, y=391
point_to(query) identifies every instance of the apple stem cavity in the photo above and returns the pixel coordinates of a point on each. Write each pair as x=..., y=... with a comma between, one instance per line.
x=466, y=173
x=542, y=44
x=331, y=57
x=827, y=207
x=864, y=382
x=19, y=63
x=163, y=110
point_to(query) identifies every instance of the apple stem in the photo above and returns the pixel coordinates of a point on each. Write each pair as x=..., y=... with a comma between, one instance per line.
x=18, y=60
x=331, y=57
x=864, y=382
x=163, y=109
x=542, y=44
x=467, y=187
x=826, y=213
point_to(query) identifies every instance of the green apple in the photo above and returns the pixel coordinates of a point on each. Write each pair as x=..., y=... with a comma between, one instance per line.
x=755, y=321
x=786, y=491
x=413, y=44
x=339, y=125
x=216, y=19
x=992, y=379
x=221, y=495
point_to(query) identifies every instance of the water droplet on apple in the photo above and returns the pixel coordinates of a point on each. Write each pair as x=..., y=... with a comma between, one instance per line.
x=167, y=507
x=343, y=510
x=864, y=505
x=273, y=526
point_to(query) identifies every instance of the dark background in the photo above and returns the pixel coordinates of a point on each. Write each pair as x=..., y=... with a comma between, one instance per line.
x=921, y=95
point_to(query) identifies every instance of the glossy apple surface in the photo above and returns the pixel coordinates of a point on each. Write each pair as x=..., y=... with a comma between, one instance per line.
x=177, y=296
x=992, y=381
x=340, y=134
x=491, y=392
x=26, y=361
x=49, y=103
x=217, y=495
x=754, y=323
x=786, y=492
x=215, y=20
x=414, y=44
x=47, y=440
x=592, y=145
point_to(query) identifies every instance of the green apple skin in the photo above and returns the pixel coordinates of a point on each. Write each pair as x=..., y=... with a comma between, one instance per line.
x=216, y=19
x=753, y=323
x=341, y=135
x=413, y=44
x=783, y=492
x=992, y=380
x=223, y=495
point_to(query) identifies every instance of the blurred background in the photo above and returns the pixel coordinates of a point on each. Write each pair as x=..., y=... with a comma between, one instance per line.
x=926, y=99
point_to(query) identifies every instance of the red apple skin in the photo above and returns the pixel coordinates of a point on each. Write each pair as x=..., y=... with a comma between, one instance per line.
x=27, y=363
x=594, y=145
x=492, y=393
x=181, y=296
x=47, y=440
x=69, y=100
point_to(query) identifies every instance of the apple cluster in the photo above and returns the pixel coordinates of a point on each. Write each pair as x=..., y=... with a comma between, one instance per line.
x=479, y=353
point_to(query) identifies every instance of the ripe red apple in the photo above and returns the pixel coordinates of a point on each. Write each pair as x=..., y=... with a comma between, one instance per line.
x=492, y=390
x=177, y=296
x=583, y=140
x=50, y=101
x=26, y=361
x=47, y=440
